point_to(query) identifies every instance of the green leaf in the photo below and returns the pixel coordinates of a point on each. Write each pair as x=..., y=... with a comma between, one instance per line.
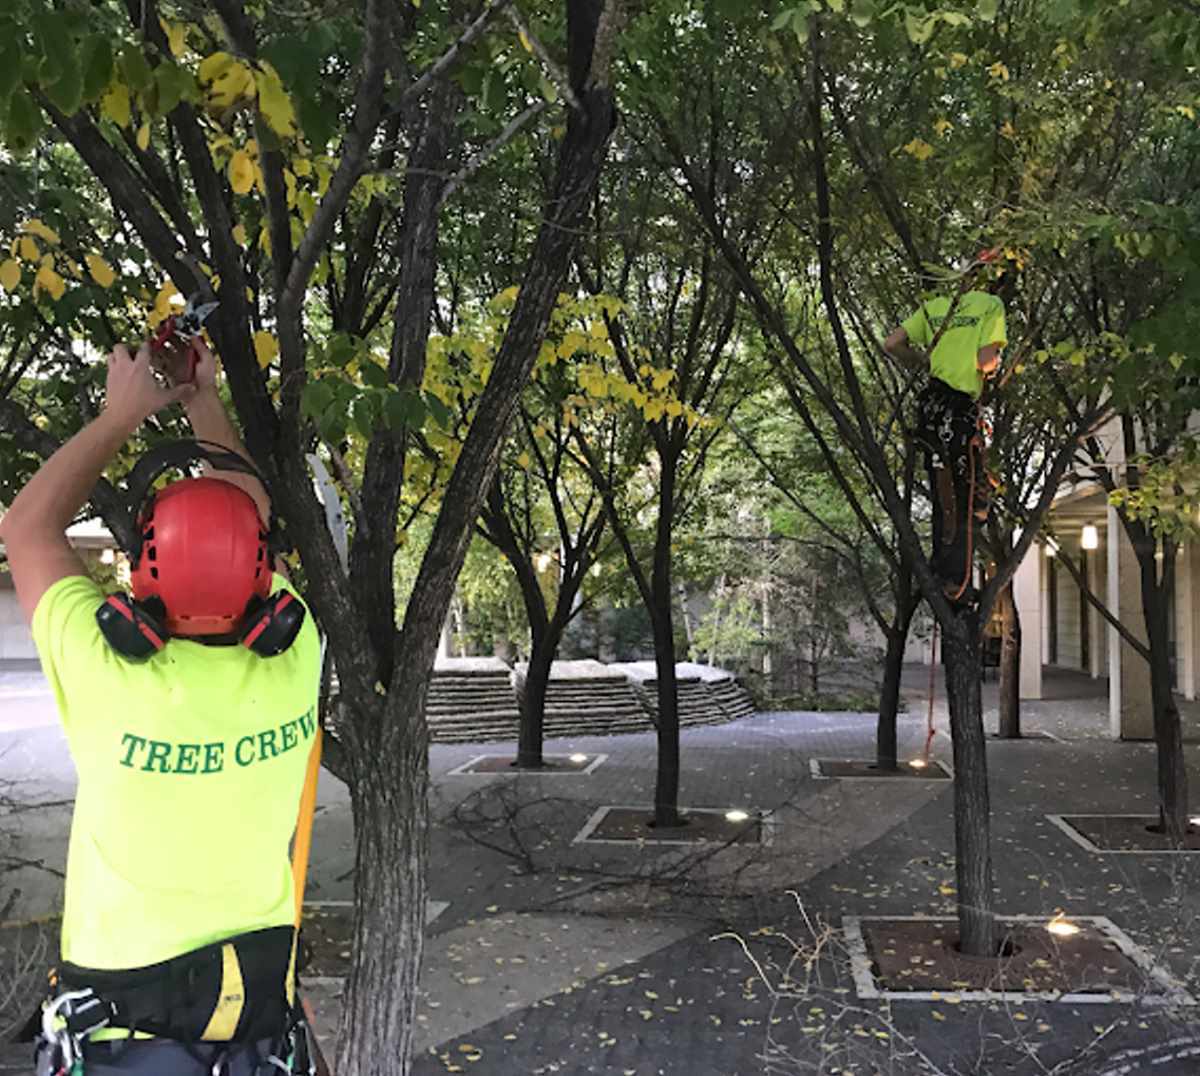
x=316, y=398
x=986, y=10
x=781, y=20
x=319, y=121
x=365, y=414
x=97, y=63
x=919, y=26
x=341, y=348
x=24, y=122
x=800, y=25
x=56, y=45
x=174, y=85
x=404, y=408
x=135, y=68
x=66, y=92
x=440, y=413
x=862, y=12
x=10, y=70
x=373, y=375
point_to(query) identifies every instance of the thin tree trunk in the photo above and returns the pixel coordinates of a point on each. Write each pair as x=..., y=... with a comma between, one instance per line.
x=889, y=695
x=716, y=628
x=666, y=789
x=1168, y=736
x=972, y=842
x=685, y=616
x=1009, y=688
x=533, y=705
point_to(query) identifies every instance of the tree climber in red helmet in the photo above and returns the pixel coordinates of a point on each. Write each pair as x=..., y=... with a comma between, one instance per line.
x=189, y=709
x=963, y=336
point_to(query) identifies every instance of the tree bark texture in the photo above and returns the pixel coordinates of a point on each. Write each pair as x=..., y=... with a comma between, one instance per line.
x=1168, y=735
x=972, y=841
x=1009, y=688
x=889, y=695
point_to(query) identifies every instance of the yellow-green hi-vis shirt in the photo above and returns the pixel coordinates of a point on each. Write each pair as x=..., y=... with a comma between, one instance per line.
x=191, y=766
x=978, y=321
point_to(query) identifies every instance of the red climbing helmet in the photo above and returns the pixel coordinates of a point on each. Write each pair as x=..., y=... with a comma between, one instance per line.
x=203, y=555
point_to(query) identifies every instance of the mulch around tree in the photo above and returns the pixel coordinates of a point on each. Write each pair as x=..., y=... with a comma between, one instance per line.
x=506, y=764
x=326, y=939
x=1034, y=734
x=1129, y=833
x=702, y=827
x=922, y=955
x=844, y=767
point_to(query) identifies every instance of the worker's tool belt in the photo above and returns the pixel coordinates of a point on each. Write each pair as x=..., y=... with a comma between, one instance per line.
x=237, y=990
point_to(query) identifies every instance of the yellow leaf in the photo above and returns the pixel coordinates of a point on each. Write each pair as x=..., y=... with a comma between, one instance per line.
x=29, y=249
x=10, y=274
x=524, y=461
x=231, y=85
x=674, y=408
x=212, y=67
x=239, y=235
x=525, y=41
x=919, y=148
x=47, y=278
x=662, y=378
x=943, y=127
x=115, y=104
x=102, y=274
x=958, y=59
x=241, y=172
x=274, y=103
x=143, y=136
x=36, y=227
x=266, y=347
x=999, y=70
x=176, y=36
x=302, y=166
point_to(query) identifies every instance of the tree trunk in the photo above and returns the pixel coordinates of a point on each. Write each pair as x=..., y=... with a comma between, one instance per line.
x=889, y=695
x=1009, y=688
x=390, y=802
x=666, y=789
x=1168, y=736
x=533, y=705
x=972, y=841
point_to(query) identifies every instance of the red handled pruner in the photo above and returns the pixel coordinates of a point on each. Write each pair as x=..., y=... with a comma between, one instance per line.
x=179, y=332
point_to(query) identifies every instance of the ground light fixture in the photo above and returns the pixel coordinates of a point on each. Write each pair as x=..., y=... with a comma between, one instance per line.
x=1090, y=538
x=1061, y=927
x=736, y=816
x=918, y=763
x=579, y=756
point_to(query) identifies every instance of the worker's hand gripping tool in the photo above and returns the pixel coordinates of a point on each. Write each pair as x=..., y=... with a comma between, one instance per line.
x=173, y=345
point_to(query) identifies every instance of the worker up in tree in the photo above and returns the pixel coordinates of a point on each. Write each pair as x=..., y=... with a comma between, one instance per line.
x=189, y=708
x=959, y=339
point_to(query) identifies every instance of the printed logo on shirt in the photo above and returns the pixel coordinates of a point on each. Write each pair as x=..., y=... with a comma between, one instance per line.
x=164, y=756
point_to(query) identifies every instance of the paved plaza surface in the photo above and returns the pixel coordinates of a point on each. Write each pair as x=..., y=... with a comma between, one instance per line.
x=548, y=956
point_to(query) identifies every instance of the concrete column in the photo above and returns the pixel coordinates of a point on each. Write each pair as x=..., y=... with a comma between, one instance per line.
x=1027, y=593
x=1130, y=710
x=1187, y=613
x=1097, y=625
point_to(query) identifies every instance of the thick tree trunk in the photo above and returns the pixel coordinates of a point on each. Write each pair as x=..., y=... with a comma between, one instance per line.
x=390, y=802
x=1009, y=688
x=1168, y=736
x=889, y=695
x=972, y=841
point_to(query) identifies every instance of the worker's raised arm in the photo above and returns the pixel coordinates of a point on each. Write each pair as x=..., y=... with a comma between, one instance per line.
x=210, y=422
x=33, y=530
x=898, y=346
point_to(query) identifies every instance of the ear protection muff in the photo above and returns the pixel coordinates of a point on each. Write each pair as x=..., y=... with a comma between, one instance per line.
x=132, y=629
x=271, y=624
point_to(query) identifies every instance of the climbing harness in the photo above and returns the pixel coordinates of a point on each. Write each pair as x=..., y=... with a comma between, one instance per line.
x=231, y=995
